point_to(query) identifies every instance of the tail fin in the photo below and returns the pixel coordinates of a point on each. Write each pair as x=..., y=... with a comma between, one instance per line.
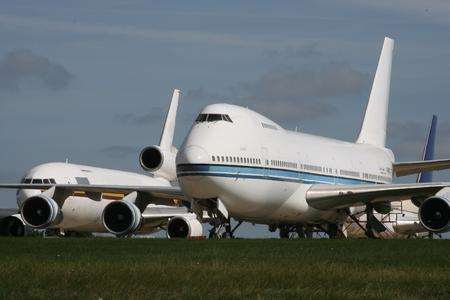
x=373, y=130
x=428, y=151
x=166, y=140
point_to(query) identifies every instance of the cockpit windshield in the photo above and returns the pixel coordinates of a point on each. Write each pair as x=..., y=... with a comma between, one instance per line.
x=212, y=118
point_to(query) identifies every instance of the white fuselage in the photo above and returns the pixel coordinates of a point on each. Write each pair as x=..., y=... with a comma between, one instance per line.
x=81, y=211
x=261, y=172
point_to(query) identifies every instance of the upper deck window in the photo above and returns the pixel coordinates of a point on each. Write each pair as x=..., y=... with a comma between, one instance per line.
x=212, y=118
x=268, y=126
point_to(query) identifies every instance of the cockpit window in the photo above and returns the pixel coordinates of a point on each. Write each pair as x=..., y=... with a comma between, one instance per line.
x=46, y=181
x=27, y=180
x=201, y=118
x=52, y=181
x=37, y=181
x=213, y=118
x=82, y=180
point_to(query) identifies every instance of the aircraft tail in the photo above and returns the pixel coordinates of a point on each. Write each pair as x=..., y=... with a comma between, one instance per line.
x=168, y=131
x=373, y=130
x=428, y=151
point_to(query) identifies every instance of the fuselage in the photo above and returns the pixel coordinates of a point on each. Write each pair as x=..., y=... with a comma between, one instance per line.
x=82, y=211
x=261, y=172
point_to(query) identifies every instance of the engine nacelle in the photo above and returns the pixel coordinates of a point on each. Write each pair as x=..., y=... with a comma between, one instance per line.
x=434, y=214
x=121, y=218
x=40, y=212
x=159, y=161
x=184, y=226
x=12, y=226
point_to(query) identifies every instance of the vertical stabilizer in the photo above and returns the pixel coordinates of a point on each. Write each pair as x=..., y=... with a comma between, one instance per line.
x=428, y=151
x=373, y=130
x=169, y=125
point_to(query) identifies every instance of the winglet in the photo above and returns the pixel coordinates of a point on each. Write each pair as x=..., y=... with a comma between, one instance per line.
x=428, y=151
x=373, y=130
x=169, y=124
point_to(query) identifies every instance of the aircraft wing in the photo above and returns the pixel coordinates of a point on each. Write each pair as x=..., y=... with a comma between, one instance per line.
x=157, y=194
x=323, y=196
x=413, y=167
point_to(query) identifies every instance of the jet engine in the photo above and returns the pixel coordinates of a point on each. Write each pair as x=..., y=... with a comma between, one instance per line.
x=40, y=211
x=159, y=161
x=434, y=214
x=121, y=217
x=184, y=226
x=12, y=226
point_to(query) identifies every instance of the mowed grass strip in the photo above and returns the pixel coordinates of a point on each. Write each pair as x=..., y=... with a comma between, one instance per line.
x=158, y=268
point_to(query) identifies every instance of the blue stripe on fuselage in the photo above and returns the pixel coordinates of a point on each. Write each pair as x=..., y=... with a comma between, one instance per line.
x=237, y=171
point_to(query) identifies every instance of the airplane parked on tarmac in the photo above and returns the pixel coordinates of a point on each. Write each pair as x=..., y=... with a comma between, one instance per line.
x=403, y=219
x=237, y=163
x=80, y=198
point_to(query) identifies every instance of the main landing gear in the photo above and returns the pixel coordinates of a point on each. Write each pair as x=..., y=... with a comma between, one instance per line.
x=222, y=229
x=288, y=231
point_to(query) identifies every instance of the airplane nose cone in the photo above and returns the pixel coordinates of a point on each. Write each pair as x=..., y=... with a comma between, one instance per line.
x=192, y=154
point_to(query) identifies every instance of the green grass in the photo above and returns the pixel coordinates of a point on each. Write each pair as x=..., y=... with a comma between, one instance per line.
x=157, y=268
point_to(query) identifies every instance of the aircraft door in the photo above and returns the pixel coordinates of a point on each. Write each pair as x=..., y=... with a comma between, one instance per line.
x=265, y=161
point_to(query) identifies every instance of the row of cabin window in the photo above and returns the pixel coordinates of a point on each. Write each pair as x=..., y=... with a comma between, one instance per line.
x=234, y=159
x=285, y=164
x=39, y=181
x=376, y=177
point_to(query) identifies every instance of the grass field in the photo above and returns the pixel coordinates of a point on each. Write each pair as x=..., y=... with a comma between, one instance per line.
x=158, y=268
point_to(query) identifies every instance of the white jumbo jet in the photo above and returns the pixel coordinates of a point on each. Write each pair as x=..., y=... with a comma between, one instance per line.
x=237, y=163
x=80, y=198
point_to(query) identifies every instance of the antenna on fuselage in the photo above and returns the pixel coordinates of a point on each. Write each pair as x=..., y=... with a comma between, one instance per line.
x=373, y=129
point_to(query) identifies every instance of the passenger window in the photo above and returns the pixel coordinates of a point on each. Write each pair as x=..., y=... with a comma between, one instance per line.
x=37, y=181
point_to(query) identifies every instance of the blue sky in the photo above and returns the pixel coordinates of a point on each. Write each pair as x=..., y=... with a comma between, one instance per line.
x=98, y=75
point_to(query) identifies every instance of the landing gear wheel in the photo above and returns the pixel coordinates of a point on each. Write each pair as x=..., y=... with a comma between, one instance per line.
x=284, y=232
x=300, y=231
x=335, y=232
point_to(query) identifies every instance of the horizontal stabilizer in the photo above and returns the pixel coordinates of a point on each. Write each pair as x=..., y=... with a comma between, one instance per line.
x=414, y=167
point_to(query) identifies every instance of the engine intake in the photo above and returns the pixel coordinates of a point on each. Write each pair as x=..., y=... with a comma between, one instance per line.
x=40, y=211
x=186, y=226
x=121, y=217
x=151, y=158
x=434, y=214
x=12, y=226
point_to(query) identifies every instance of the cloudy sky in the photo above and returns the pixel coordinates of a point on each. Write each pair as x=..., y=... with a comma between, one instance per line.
x=91, y=81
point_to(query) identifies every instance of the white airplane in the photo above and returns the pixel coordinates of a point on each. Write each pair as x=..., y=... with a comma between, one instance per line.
x=402, y=220
x=237, y=163
x=83, y=198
